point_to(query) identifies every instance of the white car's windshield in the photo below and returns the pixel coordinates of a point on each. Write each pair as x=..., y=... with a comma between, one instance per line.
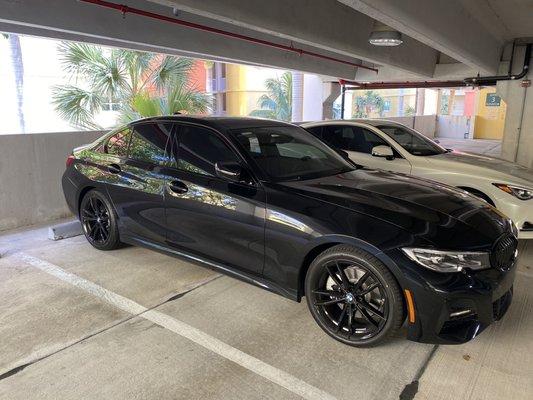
x=412, y=141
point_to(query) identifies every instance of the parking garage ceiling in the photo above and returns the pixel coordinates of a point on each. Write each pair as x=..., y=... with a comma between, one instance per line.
x=441, y=40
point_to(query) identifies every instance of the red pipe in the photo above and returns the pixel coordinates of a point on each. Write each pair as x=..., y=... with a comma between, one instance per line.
x=126, y=9
x=400, y=85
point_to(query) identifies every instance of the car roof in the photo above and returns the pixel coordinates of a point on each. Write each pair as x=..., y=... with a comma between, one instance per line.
x=220, y=123
x=367, y=121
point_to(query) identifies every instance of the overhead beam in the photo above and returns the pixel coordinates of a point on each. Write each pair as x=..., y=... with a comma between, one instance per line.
x=443, y=72
x=72, y=20
x=444, y=25
x=325, y=24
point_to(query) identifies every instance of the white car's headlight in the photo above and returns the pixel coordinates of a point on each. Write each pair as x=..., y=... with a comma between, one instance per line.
x=448, y=261
x=517, y=191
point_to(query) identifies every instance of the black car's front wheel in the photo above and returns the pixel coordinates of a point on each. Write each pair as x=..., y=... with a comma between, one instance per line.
x=353, y=296
x=99, y=221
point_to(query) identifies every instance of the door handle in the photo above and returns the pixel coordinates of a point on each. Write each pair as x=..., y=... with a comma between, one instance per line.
x=178, y=187
x=114, y=168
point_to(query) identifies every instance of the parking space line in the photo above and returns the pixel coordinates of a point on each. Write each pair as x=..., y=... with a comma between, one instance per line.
x=267, y=371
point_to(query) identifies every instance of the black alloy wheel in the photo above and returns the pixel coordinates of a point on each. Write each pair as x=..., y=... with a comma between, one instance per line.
x=99, y=221
x=353, y=296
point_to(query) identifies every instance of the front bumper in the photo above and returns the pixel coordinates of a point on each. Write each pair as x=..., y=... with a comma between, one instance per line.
x=454, y=308
x=520, y=212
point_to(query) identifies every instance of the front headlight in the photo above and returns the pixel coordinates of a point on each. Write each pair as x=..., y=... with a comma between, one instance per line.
x=448, y=261
x=518, y=192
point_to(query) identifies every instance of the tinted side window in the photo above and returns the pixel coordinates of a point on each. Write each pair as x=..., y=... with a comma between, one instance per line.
x=199, y=149
x=365, y=140
x=148, y=143
x=117, y=144
x=352, y=138
x=339, y=136
x=316, y=131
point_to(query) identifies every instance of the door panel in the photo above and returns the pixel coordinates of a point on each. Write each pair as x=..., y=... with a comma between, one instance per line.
x=138, y=192
x=209, y=216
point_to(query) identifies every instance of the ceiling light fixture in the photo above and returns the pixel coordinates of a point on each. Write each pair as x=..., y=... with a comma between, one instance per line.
x=383, y=35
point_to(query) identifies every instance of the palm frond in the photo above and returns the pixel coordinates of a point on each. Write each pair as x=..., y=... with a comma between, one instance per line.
x=80, y=58
x=277, y=104
x=171, y=70
x=76, y=105
x=145, y=106
x=263, y=114
x=145, y=84
x=180, y=98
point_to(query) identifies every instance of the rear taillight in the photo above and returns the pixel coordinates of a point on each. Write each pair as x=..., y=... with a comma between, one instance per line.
x=70, y=161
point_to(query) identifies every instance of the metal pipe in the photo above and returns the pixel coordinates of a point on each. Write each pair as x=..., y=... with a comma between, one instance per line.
x=343, y=99
x=353, y=85
x=476, y=81
x=491, y=80
x=124, y=9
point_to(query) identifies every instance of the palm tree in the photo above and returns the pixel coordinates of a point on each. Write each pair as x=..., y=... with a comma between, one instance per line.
x=141, y=84
x=368, y=102
x=277, y=104
x=18, y=69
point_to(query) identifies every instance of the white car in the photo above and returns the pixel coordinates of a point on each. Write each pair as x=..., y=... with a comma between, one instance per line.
x=382, y=144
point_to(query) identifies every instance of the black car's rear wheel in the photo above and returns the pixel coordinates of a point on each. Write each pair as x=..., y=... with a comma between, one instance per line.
x=99, y=221
x=353, y=296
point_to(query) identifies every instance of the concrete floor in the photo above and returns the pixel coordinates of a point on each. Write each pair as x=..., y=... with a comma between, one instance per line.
x=487, y=147
x=76, y=323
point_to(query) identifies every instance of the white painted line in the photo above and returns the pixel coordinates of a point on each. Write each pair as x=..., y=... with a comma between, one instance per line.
x=267, y=371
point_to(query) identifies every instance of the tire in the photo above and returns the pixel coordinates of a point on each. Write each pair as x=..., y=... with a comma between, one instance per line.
x=366, y=289
x=99, y=221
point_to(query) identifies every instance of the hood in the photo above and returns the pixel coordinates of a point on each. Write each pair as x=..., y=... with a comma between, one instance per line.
x=447, y=217
x=495, y=165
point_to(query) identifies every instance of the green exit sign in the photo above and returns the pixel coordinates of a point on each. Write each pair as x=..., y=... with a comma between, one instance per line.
x=493, y=100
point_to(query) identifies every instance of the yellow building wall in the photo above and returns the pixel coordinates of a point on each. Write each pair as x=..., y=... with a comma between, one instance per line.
x=235, y=87
x=244, y=87
x=490, y=120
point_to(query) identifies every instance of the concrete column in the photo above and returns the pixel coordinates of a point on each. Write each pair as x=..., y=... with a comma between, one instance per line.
x=297, y=96
x=517, y=144
x=312, y=101
x=331, y=90
x=420, y=101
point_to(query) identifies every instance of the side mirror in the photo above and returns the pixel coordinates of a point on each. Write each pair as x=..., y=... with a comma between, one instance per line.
x=231, y=171
x=383, y=151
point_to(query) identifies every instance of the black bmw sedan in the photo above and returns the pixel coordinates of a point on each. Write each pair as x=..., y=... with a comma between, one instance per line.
x=268, y=203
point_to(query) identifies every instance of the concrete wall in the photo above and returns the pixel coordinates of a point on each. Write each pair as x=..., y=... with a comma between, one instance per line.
x=31, y=166
x=452, y=126
x=517, y=145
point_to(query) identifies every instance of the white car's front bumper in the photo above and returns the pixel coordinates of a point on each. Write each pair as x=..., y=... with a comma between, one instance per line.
x=521, y=212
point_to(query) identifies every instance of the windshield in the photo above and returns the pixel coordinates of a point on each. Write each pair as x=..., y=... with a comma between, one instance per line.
x=286, y=153
x=412, y=141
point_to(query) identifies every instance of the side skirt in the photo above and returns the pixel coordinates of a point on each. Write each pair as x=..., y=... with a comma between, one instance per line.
x=254, y=280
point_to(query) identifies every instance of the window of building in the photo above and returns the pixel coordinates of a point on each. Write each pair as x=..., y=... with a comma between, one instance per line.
x=223, y=102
